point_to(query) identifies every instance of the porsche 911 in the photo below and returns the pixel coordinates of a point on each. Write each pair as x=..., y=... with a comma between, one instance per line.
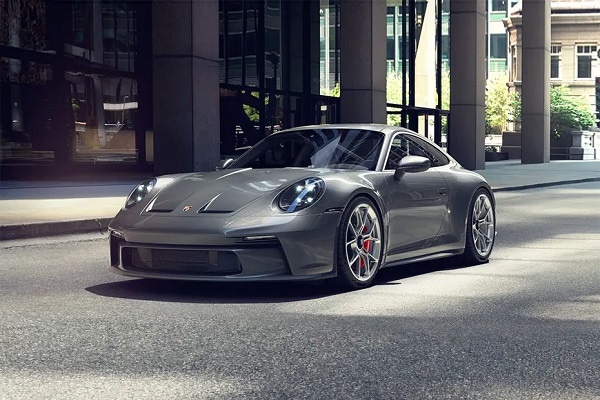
x=335, y=202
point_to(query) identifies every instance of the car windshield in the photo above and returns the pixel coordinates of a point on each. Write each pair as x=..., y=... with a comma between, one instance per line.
x=355, y=149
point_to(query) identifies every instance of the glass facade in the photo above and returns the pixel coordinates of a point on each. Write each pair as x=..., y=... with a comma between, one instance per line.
x=76, y=76
x=279, y=66
x=71, y=89
x=418, y=54
x=329, y=60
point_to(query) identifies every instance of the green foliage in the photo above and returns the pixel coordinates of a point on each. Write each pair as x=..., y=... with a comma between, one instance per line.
x=445, y=97
x=497, y=105
x=252, y=112
x=445, y=89
x=394, y=95
x=335, y=92
x=567, y=112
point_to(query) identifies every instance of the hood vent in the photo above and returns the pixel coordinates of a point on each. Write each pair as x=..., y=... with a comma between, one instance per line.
x=206, y=210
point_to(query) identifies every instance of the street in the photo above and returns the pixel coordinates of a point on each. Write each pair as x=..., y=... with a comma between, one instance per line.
x=526, y=325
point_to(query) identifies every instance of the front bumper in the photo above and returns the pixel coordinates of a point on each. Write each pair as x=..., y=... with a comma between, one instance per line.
x=210, y=248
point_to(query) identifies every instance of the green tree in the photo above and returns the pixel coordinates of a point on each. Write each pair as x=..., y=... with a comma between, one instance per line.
x=567, y=112
x=393, y=95
x=497, y=105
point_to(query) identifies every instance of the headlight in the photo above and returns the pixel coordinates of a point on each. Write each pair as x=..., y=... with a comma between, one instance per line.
x=139, y=192
x=301, y=195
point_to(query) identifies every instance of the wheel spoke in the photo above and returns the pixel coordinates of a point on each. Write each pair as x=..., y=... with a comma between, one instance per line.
x=352, y=244
x=351, y=227
x=363, y=221
x=354, y=259
x=372, y=257
x=482, y=242
x=483, y=213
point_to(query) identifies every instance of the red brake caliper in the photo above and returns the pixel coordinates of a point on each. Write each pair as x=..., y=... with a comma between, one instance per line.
x=366, y=246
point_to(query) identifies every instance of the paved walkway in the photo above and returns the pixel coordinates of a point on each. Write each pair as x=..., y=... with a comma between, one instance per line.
x=40, y=208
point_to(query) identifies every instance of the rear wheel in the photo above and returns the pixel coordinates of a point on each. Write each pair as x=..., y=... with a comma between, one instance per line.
x=481, y=228
x=360, y=244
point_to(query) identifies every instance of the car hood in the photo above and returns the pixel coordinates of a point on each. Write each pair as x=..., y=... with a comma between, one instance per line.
x=223, y=191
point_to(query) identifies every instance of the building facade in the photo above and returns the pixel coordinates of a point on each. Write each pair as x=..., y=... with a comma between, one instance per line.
x=75, y=85
x=574, y=51
x=172, y=86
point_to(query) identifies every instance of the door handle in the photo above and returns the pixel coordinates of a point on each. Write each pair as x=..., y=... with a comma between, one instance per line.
x=443, y=191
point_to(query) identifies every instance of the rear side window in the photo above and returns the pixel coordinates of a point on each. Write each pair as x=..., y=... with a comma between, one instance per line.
x=404, y=145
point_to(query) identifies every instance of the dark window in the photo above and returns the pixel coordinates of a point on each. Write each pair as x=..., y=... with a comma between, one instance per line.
x=555, y=51
x=498, y=45
x=436, y=156
x=498, y=5
x=390, y=48
x=400, y=46
x=554, y=67
x=409, y=145
x=445, y=47
x=584, y=66
x=446, y=6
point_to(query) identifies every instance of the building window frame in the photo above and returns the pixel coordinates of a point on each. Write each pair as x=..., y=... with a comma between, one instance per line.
x=556, y=61
x=498, y=46
x=514, y=76
x=585, y=59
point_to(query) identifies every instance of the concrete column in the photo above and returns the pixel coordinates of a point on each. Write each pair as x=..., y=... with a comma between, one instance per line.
x=466, y=137
x=185, y=44
x=362, y=63
x=535, y=92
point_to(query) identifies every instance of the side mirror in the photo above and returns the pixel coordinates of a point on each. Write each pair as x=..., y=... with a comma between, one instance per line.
x=223, y=164
x=412, y=164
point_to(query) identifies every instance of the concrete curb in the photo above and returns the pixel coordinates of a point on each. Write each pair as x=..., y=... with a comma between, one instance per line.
x=53, y=228
x=39, y=229
x=544, y=184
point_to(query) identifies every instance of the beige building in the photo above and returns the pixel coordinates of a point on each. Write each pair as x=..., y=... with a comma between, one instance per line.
x=574, y=48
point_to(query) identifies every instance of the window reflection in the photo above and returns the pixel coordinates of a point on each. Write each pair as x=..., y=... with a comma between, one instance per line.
x=69, y=90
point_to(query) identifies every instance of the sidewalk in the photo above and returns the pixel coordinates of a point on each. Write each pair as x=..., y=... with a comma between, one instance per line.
x=41, y=208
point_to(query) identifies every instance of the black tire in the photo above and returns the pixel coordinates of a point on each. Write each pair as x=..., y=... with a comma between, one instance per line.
x=360, y=244
x=481, y=228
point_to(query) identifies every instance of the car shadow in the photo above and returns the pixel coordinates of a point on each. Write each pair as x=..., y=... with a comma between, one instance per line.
x=394, y=275
x=212, y=292
x=252, y=292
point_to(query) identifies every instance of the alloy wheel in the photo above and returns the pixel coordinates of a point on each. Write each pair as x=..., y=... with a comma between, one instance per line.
x=483, y=225
x=363, y=242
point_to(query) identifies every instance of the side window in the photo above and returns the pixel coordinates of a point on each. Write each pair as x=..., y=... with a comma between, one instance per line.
x=436, y=156
x=404, y=145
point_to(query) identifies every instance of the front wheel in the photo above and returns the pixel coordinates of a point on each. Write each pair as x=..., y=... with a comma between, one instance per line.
x=360, y=244
x=481, y=228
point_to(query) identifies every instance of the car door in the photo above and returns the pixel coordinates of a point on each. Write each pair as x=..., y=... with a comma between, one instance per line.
x=418, y=201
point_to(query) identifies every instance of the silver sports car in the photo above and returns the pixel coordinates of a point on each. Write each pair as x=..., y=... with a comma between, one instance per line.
x=315, y=202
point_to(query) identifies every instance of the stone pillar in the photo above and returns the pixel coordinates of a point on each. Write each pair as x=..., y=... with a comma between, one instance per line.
x=535, y=92
x=185, y=44
x=466, y=137
x=362, y=64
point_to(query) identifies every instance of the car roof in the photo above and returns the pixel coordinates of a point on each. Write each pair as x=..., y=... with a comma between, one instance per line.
x=385, y=129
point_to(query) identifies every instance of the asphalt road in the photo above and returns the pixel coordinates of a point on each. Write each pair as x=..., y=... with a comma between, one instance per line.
x=526, y=325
